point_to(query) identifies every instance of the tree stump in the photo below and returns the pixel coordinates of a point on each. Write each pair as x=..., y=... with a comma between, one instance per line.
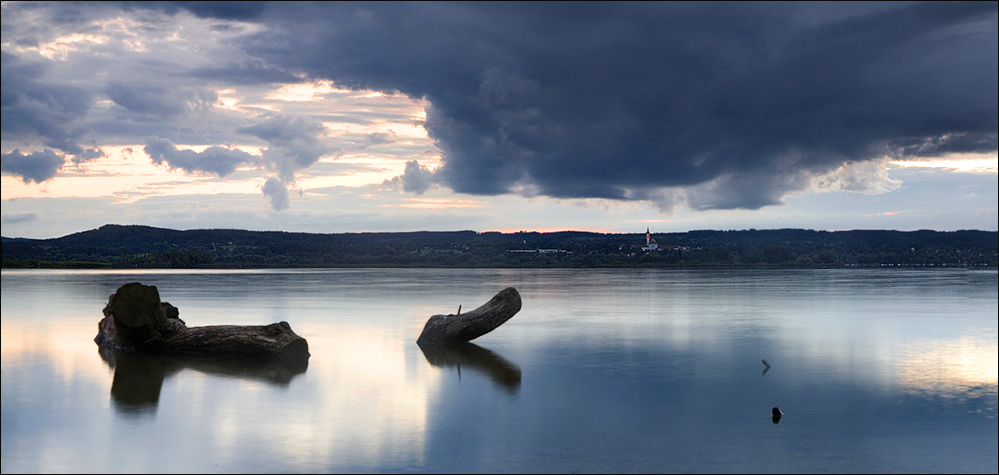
x=136, y=320
x=471, y=325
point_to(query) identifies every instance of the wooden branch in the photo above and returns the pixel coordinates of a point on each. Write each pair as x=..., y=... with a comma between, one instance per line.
x=471, y=325
x=136, y=320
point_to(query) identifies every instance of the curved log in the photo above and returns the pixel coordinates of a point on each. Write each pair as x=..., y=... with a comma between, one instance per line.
x=471, y=325
x=136, y=320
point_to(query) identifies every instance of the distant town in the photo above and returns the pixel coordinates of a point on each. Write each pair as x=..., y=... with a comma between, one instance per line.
x=129, y=247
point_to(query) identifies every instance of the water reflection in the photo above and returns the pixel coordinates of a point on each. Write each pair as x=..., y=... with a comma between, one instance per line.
x=498, y=369
x=775, y=418
x=875, y=371
x=138, y=378
x=958, y=369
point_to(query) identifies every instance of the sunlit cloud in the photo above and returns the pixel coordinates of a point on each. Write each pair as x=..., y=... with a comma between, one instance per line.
x=968, y=163
x=871, y=177
x=304, y=92
x=130, y=176
x=438, y=203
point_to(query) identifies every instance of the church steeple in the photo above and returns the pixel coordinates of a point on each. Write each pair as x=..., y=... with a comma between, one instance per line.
x=650, y=244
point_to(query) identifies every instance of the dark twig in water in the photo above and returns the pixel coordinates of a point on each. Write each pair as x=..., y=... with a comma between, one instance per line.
x=765, y=369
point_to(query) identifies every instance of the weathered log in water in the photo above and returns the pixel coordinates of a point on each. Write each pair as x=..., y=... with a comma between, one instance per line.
x=136, y=320
x=471, y=325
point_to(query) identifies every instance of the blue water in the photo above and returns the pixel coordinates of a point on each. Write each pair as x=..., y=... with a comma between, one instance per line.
x=601, y=371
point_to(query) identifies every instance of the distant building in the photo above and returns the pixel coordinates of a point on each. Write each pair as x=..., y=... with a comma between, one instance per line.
x=650, y=244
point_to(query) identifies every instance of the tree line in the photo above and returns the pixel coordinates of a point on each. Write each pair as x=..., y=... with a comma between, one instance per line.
x=115, y=246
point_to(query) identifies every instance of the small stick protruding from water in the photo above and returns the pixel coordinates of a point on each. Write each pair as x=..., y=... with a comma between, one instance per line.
x=767, y=367
x=459, y=310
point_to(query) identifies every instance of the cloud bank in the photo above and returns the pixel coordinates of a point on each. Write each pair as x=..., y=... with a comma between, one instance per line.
x=710, y=106
x=746, y=102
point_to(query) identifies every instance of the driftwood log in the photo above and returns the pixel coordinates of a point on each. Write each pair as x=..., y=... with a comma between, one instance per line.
x=136, y=320
x=471, y=325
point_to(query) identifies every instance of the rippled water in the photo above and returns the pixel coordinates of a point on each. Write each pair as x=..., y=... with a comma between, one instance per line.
x=602, y=370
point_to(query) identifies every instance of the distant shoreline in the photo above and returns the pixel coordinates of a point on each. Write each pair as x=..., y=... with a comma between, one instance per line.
x=68, y=265
x=144, y=247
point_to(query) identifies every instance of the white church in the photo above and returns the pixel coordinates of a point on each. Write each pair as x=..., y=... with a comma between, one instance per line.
x=650, y=244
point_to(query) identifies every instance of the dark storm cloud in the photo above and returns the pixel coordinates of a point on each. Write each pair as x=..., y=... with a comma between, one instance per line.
x=744, y=101
x=220, y=10
x=218, y=160
x=35, y=167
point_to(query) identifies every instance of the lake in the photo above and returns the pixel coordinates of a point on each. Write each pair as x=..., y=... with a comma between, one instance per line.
x=620, y=370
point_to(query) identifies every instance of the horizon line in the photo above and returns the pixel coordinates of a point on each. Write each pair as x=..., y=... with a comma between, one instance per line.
x=524, y=231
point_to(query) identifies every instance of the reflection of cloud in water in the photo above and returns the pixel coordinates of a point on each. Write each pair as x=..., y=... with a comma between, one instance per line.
x=362, y=401
x=376, y=399
x=966, y=367
x=66, y=343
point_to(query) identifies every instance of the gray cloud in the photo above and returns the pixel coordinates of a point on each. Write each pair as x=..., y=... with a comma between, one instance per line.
x=251, y=72
x=62, y=61
x=20, y=218
x=377, y=138
x=278, y=193
x=218, y=160
x=621, y=100
x=33, y=108
x=160, y=101
x=295, y=143
x=220, y=10
x=415, y=179
x=36, y=167
x=88, y=155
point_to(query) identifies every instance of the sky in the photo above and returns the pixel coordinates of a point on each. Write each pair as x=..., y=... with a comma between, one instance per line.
x=607, y=117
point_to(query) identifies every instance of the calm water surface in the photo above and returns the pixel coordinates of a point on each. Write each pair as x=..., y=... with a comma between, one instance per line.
x=601, y=371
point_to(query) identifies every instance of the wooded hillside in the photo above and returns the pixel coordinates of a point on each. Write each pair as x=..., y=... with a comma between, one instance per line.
x=114, y=246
